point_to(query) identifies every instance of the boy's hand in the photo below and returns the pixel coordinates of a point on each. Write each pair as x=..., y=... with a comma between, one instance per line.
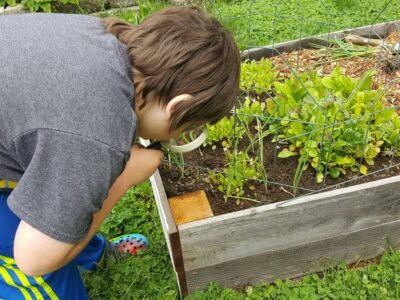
x=141, y=165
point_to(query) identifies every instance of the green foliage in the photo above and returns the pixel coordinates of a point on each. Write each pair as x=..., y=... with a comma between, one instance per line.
x=8, y=2
x=249, y=110
x=226, y=130
x=257, y=75
x=338, y=50
x=223, y=131
x=345, y=4
x=145, y=8
x=150, y=274
x=333, y=122
x=240, y=168
x=259, y=23
x=44, y=5
x=376, y=281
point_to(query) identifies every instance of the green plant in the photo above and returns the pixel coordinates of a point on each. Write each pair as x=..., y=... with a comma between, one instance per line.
x=256, y=24
x=333, y=122
x=345, y=4
x=338, y=50
x=257, y=76
x=239, y=170
x=146, y=276
x=249, y=111
x=3, y=3
x=146, y=8
x=375, y=281
x=224, y=132
x=44, y=5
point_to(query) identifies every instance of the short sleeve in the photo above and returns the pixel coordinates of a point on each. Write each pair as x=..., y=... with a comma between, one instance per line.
x=66, y=180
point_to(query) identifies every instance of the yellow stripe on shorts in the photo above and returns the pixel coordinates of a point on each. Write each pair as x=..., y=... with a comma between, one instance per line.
x=25, y=282
x=7, y=278
x=7, y=184
x=10, y=264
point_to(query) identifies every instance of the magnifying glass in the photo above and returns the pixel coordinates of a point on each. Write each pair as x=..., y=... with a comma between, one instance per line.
x=187, y=142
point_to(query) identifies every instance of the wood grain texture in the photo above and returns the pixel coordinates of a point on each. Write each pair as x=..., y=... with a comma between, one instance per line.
x=190, y=207
x=170, y=231
x=299, y=260
x=266, y=229
x=373, y=31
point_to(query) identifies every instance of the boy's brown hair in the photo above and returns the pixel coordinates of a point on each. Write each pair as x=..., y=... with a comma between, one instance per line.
x=182, y=51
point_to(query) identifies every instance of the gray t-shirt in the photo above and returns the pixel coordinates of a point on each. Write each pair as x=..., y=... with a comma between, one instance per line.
x=66, y=118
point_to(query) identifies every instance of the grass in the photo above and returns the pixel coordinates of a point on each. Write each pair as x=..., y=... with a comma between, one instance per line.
x=264, y=22
x=148, y=276
x=261, y=22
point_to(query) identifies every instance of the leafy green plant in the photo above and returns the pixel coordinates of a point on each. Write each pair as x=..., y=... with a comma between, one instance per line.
x=375, y=281
x=257, y=75
x=3, y=3
x=239, y=170
x=249, y=110
x=333, y=122
x=44, y=5
x=224, y=132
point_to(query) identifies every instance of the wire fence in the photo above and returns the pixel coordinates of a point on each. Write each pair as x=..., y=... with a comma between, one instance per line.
x=313, y=114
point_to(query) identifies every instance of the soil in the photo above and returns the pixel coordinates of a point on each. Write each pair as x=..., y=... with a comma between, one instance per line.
x=280, y=178
x=281, y=171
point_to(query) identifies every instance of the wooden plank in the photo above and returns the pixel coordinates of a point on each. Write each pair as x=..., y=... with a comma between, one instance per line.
x=298, y=260
x=170, y=231
x=190, y=207
x=284, y=225
x=372, y=31
x=169, y=228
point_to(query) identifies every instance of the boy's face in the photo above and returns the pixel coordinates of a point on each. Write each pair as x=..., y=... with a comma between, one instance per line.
x=153, y=123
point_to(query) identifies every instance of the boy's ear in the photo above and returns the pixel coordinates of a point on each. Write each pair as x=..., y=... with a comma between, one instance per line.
x=169, y=109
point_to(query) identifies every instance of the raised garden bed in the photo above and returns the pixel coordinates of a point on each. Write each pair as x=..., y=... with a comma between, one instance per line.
x=279, y=235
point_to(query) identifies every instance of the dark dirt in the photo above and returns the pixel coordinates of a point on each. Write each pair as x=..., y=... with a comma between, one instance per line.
x=280, y=178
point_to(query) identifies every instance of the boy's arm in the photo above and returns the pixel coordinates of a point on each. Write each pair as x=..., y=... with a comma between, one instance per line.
x=37, y=254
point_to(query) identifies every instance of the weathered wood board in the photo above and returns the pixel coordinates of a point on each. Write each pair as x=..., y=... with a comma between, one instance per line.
x=290, y=239
x=370, y=31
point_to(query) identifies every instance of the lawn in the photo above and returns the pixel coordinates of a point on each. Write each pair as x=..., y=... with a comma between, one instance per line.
x=260, y=22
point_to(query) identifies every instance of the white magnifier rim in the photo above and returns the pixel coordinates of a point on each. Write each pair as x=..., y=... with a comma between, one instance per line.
x=189, y=146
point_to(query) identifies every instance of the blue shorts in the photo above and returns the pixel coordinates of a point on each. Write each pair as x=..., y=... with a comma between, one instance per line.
x=65, y=283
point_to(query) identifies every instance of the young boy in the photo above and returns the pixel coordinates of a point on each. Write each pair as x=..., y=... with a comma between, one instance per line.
x=75, y=93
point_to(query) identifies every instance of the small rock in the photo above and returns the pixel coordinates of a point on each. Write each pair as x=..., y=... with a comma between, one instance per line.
x=18, y=9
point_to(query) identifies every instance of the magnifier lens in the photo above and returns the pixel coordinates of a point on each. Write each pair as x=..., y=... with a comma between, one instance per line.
x=189, y=140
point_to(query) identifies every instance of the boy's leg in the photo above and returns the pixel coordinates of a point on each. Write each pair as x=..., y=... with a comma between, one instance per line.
x=93, y=254
x=65, y=283
x=99, y=250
